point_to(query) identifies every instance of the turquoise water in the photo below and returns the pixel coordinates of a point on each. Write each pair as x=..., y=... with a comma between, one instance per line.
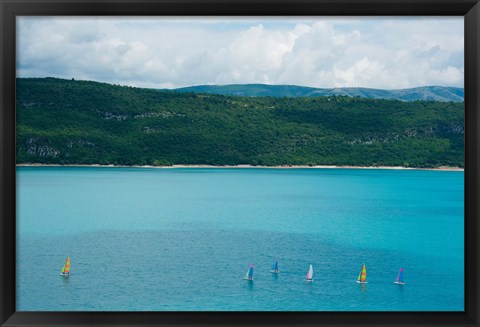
x=182, y=239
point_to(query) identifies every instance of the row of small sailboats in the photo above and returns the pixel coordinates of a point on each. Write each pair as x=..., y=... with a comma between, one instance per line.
x=249, y=274
x=362, y=276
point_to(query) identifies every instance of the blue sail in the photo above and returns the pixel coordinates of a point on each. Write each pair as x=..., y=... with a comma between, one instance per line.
x=400, y=276
x=275, y=266
x=250, y=271
x=399, y=279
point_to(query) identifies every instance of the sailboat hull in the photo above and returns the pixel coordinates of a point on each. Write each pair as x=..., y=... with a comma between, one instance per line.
x=275, y=271
x=246, y=278
x=65, y=275
x=309, y=280
x=359, y=282
x=399, y=283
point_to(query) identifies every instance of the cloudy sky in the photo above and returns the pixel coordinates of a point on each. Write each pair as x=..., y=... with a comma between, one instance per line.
x=160, y=52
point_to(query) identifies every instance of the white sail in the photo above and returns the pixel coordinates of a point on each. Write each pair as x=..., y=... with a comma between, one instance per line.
x=310, y=273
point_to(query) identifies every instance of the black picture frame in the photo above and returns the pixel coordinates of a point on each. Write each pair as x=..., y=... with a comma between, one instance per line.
x=9, y=9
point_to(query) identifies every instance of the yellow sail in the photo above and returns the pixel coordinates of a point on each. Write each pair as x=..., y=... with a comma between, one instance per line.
x=363, y=276
x=66, y=266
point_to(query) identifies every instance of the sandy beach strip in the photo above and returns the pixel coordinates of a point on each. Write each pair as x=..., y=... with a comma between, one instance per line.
x=443, y=168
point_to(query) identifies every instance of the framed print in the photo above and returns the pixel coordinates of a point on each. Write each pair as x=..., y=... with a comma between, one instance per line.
x=239, y=163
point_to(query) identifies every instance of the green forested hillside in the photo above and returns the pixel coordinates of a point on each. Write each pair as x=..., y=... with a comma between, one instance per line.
x=81, y=122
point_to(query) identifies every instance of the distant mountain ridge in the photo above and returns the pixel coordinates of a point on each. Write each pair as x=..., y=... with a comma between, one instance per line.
x=426, y=93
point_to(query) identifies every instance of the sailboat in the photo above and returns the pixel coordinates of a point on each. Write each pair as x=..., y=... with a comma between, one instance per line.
x=275, y=269
x=66, y=268
x=309, y=277
x=362, y=277
x=399, y=280
x=249, y=274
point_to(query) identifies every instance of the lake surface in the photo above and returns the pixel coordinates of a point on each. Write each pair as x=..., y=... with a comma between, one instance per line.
x=182, y=239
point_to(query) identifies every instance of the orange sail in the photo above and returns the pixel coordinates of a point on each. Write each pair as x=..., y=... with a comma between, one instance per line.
x=362, y=277
x=66, y=267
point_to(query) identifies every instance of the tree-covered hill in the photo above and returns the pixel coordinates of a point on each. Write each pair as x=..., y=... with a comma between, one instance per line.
x=82, y=122
x=427, y=93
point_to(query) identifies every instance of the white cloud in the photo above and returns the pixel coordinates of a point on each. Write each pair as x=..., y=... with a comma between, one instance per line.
x=174, y=52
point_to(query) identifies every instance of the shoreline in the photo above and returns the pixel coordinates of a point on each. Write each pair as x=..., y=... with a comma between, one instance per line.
x=442, y=168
